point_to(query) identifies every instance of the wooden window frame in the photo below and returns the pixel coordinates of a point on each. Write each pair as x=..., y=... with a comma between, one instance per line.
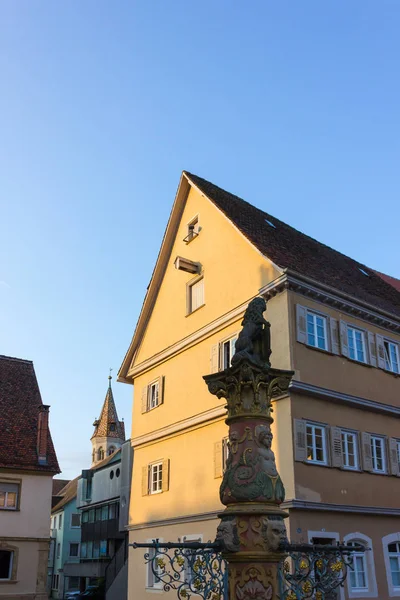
x=349, y=432
x=158, y=464
x=221, y=344
x=315, y=315
x=382, y=439
x=189, y=286
x=371, y=591
x=391, y=538
x=18, y=484
x=363, y=332
x=396, y=348
x=156, y=385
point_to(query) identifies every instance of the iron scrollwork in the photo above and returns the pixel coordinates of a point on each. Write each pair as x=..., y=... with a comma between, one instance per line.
x=315, y=571
x=190, y=568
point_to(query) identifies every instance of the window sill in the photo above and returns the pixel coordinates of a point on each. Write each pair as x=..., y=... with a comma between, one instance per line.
x=316, y=463
x=9, y=510
x=358, y=362
x=8, y=581
x=155, y=493
x=323, y=350
x=192, y=313
x=156, y=590
x=378, y=472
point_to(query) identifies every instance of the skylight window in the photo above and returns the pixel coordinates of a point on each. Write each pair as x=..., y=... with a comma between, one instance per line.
x=363, y=272
x=270, y=223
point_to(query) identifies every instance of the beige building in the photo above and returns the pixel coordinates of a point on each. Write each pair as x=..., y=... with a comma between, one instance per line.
x=27, y=465
x=334, y=322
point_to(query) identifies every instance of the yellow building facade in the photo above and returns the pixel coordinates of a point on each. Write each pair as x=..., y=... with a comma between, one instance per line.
x=211, y=264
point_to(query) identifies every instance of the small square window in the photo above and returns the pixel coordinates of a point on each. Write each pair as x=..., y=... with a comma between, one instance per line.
x=75, y=520
x=356, y=339
x=74, y=550
x=195, y=295
x=155, y=478
x=192, y=230
x=391, y=356
x=316, y=444
x=316, y=331
x=378, y=454
x=9, y=496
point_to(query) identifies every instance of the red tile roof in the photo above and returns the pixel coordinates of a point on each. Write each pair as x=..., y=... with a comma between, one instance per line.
x=289, y=248
x=19, y=410
x=67, y=494
x=390, y=280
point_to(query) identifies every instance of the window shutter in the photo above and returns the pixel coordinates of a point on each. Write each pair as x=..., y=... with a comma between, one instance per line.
x=344, y=344
x=336, y=447
x=161, y=390
x=214, y=359
x=334, y=329
x=144, y=400
x=372, y=349
x=380, y=348
x=218, y=459
x=165, y=475
x=393, y=457
x=145, y=480
x=366, y=451
x=300, y=442
x=301, y=323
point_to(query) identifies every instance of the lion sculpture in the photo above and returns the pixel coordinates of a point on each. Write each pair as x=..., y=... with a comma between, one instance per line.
x=254, y=341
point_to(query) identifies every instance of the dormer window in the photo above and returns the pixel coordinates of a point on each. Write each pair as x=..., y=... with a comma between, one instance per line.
x=112, y=426
x=192, y=230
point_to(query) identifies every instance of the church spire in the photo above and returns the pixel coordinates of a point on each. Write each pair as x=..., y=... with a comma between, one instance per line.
x=109, y=431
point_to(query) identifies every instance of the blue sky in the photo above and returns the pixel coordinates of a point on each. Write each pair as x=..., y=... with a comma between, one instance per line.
x=291, y=105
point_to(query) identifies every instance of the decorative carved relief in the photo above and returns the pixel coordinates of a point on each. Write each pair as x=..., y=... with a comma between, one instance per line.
x=253, y=582
x=227, y=534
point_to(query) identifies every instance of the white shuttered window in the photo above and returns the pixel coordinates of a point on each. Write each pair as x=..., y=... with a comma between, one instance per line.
x=378, y=454
x=349, y=450
x=196, y=295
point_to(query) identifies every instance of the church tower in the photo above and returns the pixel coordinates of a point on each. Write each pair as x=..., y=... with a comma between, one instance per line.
x=109, y=432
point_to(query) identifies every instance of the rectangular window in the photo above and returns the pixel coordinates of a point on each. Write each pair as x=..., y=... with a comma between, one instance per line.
x=356, y=340
x=104, y=513
x=153, y=395
x=103, y=548
x=316, y=331
x=58, y=550
x=316, y=444
x=225, y=452
x=358, y=572
x=98, y=514
x=350, y=450
x=90, y=549
x=6, y=560
x=85, y=516
x=155, y=475
x=75, y=520
x=9, y=496
x=55, y=582
x=192, y=230
x=59, y=521
x=226, y=351
x=195, y=295
x=152, y=581
x=111, y=513
x=391, y=356
x=394, y=560
x=91, y=515
x=378, y=454
x=73, y=549
x=96, y=549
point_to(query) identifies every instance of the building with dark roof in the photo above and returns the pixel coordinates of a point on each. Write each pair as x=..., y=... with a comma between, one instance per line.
x=335, y=322
x=109, y=431
x=28, y=463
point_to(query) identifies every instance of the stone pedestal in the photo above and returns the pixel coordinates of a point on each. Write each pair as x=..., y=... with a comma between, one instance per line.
x=252, y=528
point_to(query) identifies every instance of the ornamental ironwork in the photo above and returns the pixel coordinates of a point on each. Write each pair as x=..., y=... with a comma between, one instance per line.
x=190, y=568
x=315, y=571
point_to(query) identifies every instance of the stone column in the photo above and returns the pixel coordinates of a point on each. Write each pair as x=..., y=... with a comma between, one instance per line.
x=252, y=529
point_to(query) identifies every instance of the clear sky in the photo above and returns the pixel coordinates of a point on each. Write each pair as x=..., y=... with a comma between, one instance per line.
x=292, y=105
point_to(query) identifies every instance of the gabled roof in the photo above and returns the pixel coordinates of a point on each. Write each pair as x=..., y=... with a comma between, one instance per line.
x=68, y=493
x=287, y=248
x=108, y=424
x=390, y=280
x=19, y=409
x=290, y=249
x=111, y=458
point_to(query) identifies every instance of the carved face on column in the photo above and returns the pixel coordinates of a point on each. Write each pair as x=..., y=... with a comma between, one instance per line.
x=227, y=534
x=274, y=532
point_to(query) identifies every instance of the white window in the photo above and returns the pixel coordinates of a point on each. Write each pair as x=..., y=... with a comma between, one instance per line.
x=155, y=478
x=350, y=450
x=358, y=571
x=226, y=351
x=193, y=230
x=152, y=581
x=153, y=395
x=394, y=561
x=378, y=454
x=9, y=496
x=356, y=339
x=191, y=557
x=75, y=520
x=73, y=549
x=316, y=444
x=316, y=331
x=391, y=356
x=195, y=295
x=225, y=452
x=6, y=562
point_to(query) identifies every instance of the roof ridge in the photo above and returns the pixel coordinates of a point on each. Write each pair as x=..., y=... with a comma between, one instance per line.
x=23, y=360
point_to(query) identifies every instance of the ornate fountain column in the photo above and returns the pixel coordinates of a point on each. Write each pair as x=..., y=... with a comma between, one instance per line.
x=252, y=528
